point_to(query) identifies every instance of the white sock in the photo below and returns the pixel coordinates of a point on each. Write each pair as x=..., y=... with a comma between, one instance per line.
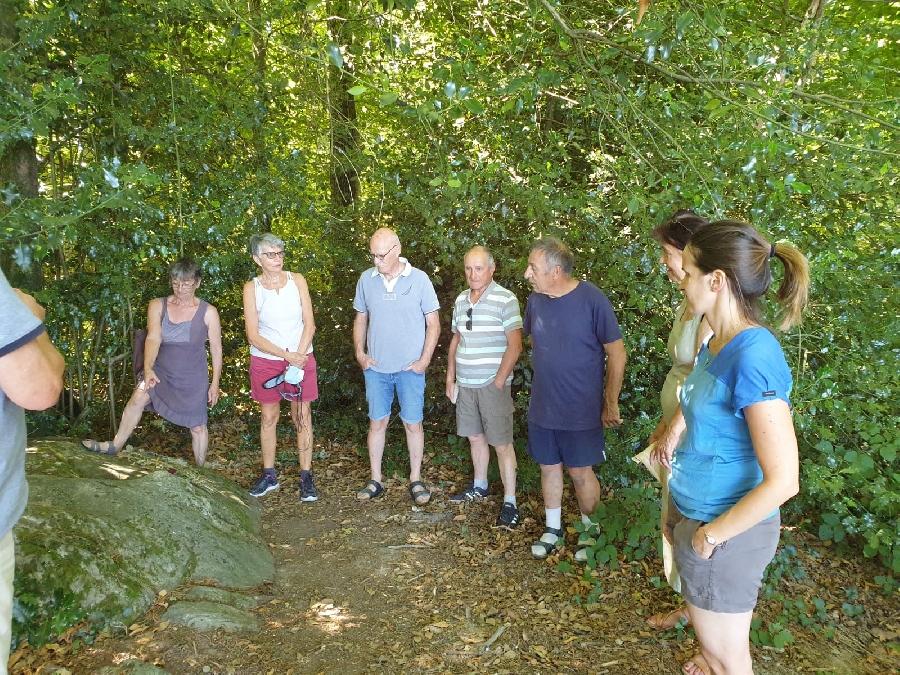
x=481, y=484
x=510, y=499
x=586, y=520
x=554, y=518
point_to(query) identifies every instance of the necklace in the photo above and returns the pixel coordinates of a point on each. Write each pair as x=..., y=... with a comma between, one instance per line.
x=272, y=281
x=730, y=333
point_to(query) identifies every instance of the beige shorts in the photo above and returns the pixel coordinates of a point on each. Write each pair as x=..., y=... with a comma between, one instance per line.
x=486, y=410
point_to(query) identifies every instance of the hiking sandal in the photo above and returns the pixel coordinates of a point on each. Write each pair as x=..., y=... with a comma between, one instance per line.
x=549, y=542
x=372, y=490
x=91, y=445
x=586, y=540
x=417, y=495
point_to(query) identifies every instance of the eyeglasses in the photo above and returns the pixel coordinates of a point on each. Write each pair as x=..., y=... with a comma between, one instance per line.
x=182, y=284
x=469, y=319
x=272, y=255
x=381, y=256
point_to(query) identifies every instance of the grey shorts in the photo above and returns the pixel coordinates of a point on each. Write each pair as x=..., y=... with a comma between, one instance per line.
x=486, y=410
x=729, y=581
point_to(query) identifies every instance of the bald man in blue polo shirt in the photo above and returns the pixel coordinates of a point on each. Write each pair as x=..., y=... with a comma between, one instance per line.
x=394, y=335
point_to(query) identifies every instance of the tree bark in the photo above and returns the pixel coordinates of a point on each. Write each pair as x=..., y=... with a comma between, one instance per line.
x=342, y=115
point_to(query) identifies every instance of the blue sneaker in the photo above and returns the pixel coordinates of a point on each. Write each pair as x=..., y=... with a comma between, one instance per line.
x=264, y=485
x=470, y=494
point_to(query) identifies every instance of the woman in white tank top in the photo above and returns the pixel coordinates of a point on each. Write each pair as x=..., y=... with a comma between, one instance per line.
x=278, y=318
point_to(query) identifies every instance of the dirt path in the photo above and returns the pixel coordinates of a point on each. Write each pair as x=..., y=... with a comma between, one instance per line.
x=387, y=587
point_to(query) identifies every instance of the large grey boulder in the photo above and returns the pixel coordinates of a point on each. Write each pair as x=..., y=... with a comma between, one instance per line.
x=103, y=535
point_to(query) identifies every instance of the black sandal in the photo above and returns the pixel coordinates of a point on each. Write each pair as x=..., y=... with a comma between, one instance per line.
x=372, y=490
x=541, y=548
x=418, y=494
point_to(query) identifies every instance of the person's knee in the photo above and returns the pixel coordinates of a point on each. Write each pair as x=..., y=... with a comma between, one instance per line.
x=582, y=476
x=378, y=426
x=198, y=431
x=414, y=427
x=269, y=420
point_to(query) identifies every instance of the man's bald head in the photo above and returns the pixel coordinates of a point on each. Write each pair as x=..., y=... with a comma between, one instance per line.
x=384, y=238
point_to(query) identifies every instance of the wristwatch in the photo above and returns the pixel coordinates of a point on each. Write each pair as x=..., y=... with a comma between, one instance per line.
x=710, y=539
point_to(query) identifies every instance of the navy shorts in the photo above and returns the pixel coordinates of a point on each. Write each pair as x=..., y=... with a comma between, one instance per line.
x=572, y=449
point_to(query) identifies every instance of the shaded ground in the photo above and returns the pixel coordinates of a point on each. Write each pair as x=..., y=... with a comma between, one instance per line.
x=388, y=587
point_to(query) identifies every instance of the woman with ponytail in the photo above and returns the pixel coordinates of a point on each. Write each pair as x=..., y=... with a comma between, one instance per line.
x=737, y=462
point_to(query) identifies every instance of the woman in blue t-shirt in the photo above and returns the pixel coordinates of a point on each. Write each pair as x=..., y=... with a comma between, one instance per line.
x=737, y=461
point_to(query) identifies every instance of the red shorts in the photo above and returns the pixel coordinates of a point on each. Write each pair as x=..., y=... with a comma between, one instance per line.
x=262, y=370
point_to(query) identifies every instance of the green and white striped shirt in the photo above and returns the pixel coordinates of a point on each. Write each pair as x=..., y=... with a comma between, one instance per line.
x=481, y=348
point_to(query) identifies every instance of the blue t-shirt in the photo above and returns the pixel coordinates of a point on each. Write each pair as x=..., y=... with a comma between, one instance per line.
x=18, y=327
x=715, y=464
x=567, y=338
x=395, y=334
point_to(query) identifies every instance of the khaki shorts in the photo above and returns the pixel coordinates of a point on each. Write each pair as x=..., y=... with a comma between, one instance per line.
x=488, y=411
x=729, y=581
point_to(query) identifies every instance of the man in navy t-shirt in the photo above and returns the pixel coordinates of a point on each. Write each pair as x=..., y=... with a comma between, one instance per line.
x=575, y=339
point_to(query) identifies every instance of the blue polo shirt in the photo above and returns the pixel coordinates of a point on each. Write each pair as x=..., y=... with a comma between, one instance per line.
x=396, y=330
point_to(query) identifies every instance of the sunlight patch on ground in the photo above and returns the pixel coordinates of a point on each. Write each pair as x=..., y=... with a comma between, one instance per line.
x=330, y=618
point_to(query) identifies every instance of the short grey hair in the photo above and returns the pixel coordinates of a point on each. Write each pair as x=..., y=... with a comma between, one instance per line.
x=555, y=253
x=487, y=254
x=185, y=269
x=259, y=241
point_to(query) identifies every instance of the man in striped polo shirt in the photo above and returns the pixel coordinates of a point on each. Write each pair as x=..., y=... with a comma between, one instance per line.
x=487, y=341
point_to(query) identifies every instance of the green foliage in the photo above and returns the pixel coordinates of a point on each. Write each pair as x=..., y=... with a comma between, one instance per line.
x=626, y=526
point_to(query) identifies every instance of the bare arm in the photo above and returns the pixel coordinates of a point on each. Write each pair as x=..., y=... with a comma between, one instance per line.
x=360, y=327
x=214, y=330
x=451, y=365
x=31, y=376
x=432, y=333
x=510, y=357
x=775, y=444
x=615, y=373
x=154, y=340
x=299, y=356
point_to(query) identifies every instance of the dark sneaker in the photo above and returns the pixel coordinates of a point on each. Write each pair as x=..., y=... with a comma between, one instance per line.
x=509, y=516
x=308, y=491
x=264, y=485
x=471, y=493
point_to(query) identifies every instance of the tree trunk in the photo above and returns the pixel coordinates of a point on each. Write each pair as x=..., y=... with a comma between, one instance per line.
x=342, y=115
x=18, y=161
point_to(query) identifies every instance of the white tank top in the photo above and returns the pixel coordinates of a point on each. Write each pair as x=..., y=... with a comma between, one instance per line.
x=280, y=315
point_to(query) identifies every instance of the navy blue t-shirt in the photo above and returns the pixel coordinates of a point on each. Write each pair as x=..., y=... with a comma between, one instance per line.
x=567, y=336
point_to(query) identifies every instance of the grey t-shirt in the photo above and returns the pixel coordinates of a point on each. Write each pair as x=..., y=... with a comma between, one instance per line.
x=18, y=327
x=396, y=329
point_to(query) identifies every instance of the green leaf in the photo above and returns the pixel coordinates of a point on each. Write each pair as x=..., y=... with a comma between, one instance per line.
x=388, y=98
x=434, y=182
x=454, y=183
x=450, y=89
x=802, y=188
x=473, y=106
x=712, y=104
x=634, y=205
x=334, y=54
x=358, y=90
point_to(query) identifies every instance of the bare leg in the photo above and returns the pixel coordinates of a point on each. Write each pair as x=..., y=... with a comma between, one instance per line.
x=481, y=455
x=134, y=410
x=269, y=413
x=375, y=440
x=587, y=488
x=506, y=459
x=415, y=441
x=724, y=641
x=302, y=418
x=552, y=485
x=200, y=442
